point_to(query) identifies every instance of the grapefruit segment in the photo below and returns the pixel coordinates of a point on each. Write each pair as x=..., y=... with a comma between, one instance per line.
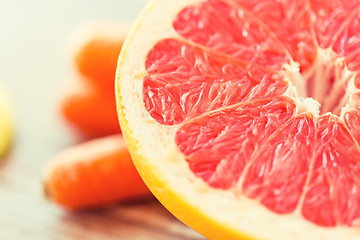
x=329, y=17
x=239, y=143
x=347, y=42
x=220, y=144
x=352, y=121
x=277, y=173
x=185, y=80
x=353, y=62
x=332, y=195
x=290, y=22
x=240, y=35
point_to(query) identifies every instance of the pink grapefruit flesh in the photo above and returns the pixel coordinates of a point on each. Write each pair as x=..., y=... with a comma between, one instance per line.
x=227, y=81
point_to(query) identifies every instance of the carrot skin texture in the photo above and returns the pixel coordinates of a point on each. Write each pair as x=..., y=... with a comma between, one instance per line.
x=93, y=175
x=91, y=112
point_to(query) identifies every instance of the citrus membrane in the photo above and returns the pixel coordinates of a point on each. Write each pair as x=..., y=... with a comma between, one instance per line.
x=247, y=113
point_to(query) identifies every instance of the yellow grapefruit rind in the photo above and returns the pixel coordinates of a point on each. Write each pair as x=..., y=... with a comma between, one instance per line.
x=217, y=214
x=171, y=199
x=6, y=127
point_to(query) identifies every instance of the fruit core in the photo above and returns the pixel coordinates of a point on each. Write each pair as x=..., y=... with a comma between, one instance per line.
x=326, y=85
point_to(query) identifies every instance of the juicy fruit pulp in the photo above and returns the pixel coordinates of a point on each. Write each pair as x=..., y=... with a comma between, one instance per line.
x=238, y=83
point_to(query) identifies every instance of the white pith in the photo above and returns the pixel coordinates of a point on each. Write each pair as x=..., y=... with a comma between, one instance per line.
x=156, y=143
x=324, y=65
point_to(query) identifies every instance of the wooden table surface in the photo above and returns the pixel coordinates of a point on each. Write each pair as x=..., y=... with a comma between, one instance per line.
x=34, y=67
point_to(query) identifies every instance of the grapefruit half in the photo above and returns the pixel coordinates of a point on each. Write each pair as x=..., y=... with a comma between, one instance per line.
x=243, y=116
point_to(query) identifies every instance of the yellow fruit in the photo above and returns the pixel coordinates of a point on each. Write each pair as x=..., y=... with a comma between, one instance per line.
x=5, y=124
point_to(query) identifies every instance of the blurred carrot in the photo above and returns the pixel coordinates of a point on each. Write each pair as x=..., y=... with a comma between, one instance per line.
x=93, y=174
x=96, y=49
x=91, y=106
x=98, y=172
x=91, y=111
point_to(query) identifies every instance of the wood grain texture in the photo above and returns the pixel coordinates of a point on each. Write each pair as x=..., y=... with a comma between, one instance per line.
x=26, y=214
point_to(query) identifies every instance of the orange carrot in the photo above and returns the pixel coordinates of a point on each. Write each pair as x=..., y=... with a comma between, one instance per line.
x=91, y=111
x=93, y=174
x=96, y=53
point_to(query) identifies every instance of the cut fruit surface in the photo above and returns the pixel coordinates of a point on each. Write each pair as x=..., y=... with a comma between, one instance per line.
x=243, y=116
